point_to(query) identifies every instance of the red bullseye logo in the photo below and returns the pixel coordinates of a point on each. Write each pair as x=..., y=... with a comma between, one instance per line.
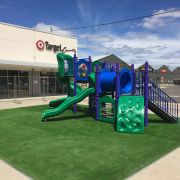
x=40, y=45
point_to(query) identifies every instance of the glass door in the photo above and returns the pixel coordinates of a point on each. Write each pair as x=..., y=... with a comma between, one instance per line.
x=44, y=86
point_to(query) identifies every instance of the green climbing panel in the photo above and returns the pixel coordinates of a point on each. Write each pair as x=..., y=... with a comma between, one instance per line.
x=130, y=117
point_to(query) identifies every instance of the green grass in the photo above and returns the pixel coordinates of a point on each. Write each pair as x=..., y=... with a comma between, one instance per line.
x=75, y=146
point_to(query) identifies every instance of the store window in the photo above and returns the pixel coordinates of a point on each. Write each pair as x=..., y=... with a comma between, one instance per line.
x=50, y=85
x=3, y=84
x=3, y=73
x=14, y=84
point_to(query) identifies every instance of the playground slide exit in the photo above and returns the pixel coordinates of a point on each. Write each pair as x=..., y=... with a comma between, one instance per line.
x=67, y=103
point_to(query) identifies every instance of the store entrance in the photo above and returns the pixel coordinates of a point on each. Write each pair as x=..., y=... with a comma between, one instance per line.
x=44, y=86
x=18, y=86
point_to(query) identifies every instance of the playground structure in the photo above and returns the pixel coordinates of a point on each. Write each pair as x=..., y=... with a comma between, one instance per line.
x=116, y=95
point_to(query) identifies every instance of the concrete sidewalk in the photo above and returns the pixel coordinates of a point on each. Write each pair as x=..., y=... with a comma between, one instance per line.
x=166, y=168
x=25, y=102
x=7, y=172
x=35, y=101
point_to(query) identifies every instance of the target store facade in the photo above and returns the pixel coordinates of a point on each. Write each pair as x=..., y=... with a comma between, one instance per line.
x=28, y=61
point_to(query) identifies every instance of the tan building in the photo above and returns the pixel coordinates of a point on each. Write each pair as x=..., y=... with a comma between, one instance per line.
x=28, y=61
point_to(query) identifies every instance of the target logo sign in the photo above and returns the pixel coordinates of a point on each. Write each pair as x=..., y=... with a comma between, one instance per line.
x=40, y=45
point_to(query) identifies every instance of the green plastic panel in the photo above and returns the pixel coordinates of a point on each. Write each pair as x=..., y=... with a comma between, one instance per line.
x=62, y=58
x=107, y=110
x=130, y=117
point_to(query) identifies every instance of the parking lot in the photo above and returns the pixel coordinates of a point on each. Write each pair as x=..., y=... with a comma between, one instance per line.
x=172, y=90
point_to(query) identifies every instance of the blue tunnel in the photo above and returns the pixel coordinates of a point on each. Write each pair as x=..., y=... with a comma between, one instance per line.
x=108, y=81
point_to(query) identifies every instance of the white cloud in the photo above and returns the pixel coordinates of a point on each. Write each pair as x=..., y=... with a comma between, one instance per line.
x=47, y=28
x=96, y=37
x=136, y=47
x=160, y=20
x=174, y=54
x=85, y=10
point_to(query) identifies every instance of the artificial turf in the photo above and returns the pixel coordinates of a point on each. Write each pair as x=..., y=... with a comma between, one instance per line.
x=75, y=146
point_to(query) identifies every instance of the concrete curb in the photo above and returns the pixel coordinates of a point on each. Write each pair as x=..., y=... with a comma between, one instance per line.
x=7, y=172
x=166, y=168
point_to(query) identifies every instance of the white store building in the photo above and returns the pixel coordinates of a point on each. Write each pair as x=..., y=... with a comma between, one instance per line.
x=28, y=61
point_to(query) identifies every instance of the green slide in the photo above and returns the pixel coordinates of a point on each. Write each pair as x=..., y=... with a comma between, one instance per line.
x=57, y=102
x=67, y=103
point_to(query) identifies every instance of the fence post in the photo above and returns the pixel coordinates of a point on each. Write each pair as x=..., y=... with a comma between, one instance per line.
x=15, y=89
x=177, y=112
x=146, y=79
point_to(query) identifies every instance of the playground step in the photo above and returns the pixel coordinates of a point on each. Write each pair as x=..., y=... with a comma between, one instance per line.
x=159, y=102
x=162, y=104
x=161, y=113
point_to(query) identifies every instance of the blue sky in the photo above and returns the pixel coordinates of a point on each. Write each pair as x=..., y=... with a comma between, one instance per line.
x=156, y=39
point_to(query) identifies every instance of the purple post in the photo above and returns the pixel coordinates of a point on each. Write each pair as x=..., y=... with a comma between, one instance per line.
x=112, y=68
x=90, y=64
x=104, y=64
x=75, y=81
x=113, y=94
x=134, y=79
x=97, y=91
x=90, y=98
x=117, y=84
x=146, y=79
x=143, y=82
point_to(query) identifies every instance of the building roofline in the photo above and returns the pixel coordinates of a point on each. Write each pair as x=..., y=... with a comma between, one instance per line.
x=159, y=69
x=144, y=65
x=113, y=55
x=31, y=29
x=28, y=64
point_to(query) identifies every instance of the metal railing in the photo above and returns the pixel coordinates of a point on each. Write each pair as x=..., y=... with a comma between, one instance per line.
x=162, y=100
x=158, y=97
